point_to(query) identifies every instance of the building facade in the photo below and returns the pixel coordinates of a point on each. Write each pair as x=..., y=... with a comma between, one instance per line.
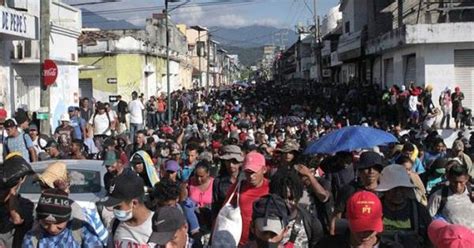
x=21, y=57
x=118, y=62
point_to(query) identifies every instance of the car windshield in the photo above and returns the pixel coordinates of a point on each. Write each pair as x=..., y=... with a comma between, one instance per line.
x=82, y=181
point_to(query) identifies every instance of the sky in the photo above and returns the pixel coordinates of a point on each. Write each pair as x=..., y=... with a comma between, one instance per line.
x=213, y=13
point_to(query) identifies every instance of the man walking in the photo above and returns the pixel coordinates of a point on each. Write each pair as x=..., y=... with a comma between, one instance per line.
x=135, y=107
x=18, y=142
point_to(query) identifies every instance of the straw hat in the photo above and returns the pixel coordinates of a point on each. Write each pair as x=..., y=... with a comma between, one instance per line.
x=55, y=171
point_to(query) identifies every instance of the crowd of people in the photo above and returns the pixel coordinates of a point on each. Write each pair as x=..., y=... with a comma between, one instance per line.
x=230, y=171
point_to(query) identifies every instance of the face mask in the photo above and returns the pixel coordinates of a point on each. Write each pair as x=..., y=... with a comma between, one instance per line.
x=266, y=244
x=440, y=171
x=123, y=215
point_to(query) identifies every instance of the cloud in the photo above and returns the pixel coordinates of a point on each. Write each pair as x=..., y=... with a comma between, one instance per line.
x=220, y=17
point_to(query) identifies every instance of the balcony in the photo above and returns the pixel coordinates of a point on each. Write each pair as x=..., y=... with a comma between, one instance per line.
x=422, y=34
x=350, y=45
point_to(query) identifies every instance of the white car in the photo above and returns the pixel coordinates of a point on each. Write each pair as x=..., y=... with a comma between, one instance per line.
x=86, y=181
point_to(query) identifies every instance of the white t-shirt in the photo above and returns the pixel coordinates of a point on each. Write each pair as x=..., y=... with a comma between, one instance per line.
x=133, y=236
x=38, y=143
x=101, y=124
x=413, y=103
x=135, y=108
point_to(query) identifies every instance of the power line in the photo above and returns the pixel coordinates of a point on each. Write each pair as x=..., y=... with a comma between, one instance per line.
x=150, y=8
x=141, y=17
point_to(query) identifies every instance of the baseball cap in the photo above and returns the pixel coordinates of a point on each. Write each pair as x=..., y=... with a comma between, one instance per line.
x=54, y=206
x=110, y=158
x=369, y=159
x=65, y=117
x=10, y=123
x=270, y=214
x=126, y=187
x=3, y=114
x=166, y=221
x=445, y=235
x=71, y=109
x=232, y=152
x=254, y=161
x=54, y=171
x=393, y=176
x=364, y=212
x=171, y=165
x=33, y=127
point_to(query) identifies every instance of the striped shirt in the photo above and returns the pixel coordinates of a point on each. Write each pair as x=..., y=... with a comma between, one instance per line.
x=92, y=217
x=63, y=240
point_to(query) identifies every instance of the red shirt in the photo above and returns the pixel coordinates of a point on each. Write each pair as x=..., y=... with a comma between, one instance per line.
x=248, y=195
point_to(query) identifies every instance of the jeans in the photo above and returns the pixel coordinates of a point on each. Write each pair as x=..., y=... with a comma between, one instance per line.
x=161, y=117
x=446, y=117
x=134, y=127
x=151, y=120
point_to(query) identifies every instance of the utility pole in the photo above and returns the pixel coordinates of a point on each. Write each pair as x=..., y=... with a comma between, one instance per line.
x=168, y=83
x=199, y=58
x=45, y=31
x=208, y=59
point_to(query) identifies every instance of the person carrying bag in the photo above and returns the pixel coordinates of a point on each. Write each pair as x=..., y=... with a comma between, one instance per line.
x=228, y=225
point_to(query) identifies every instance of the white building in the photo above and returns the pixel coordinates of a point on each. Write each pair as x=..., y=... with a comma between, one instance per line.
x=24, y=67
x=19, y=24
x=437, y=49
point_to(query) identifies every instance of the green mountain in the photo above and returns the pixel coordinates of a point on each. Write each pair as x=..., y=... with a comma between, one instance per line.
x=248, y=56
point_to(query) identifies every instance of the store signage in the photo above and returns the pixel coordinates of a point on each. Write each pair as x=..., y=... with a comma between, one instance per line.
x=17, y=24
x=50, y=72
x=112, y=80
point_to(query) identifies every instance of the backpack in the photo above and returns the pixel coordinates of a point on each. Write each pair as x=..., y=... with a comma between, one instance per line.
x=76, y=229
x=312, y=226
x=444, y=197
x=403, y=238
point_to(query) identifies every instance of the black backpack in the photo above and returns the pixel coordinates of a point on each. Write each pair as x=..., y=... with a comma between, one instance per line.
x=312, y=226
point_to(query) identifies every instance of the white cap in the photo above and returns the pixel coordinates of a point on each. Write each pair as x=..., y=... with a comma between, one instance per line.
x=393, y=176
x=65, y=117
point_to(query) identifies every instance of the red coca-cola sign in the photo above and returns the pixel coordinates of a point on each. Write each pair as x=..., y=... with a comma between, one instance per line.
x=50, y=72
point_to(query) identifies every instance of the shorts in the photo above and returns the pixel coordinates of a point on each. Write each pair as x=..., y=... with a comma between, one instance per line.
x=414, y=114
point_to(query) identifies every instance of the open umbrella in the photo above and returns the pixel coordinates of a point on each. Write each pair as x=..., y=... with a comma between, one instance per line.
x=349, y=139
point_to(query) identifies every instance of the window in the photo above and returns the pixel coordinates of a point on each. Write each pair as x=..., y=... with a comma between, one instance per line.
x=82, y=181
x=27, y=48
x=348, y=27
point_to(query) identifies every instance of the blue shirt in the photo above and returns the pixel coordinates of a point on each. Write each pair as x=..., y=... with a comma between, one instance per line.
x=187, y=172
x=20, y=143
x=417, y=165
x=78, y=123
x=63, y=240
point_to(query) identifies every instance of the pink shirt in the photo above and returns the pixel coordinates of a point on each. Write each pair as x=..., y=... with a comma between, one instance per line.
x=201, y=198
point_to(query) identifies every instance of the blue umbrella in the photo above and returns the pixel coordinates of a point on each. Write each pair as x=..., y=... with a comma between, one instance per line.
x=349, y=139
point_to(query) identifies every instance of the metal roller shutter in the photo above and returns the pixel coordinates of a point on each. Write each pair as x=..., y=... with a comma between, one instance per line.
x=410, y=69
x=388, y=72
x=464, y=74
